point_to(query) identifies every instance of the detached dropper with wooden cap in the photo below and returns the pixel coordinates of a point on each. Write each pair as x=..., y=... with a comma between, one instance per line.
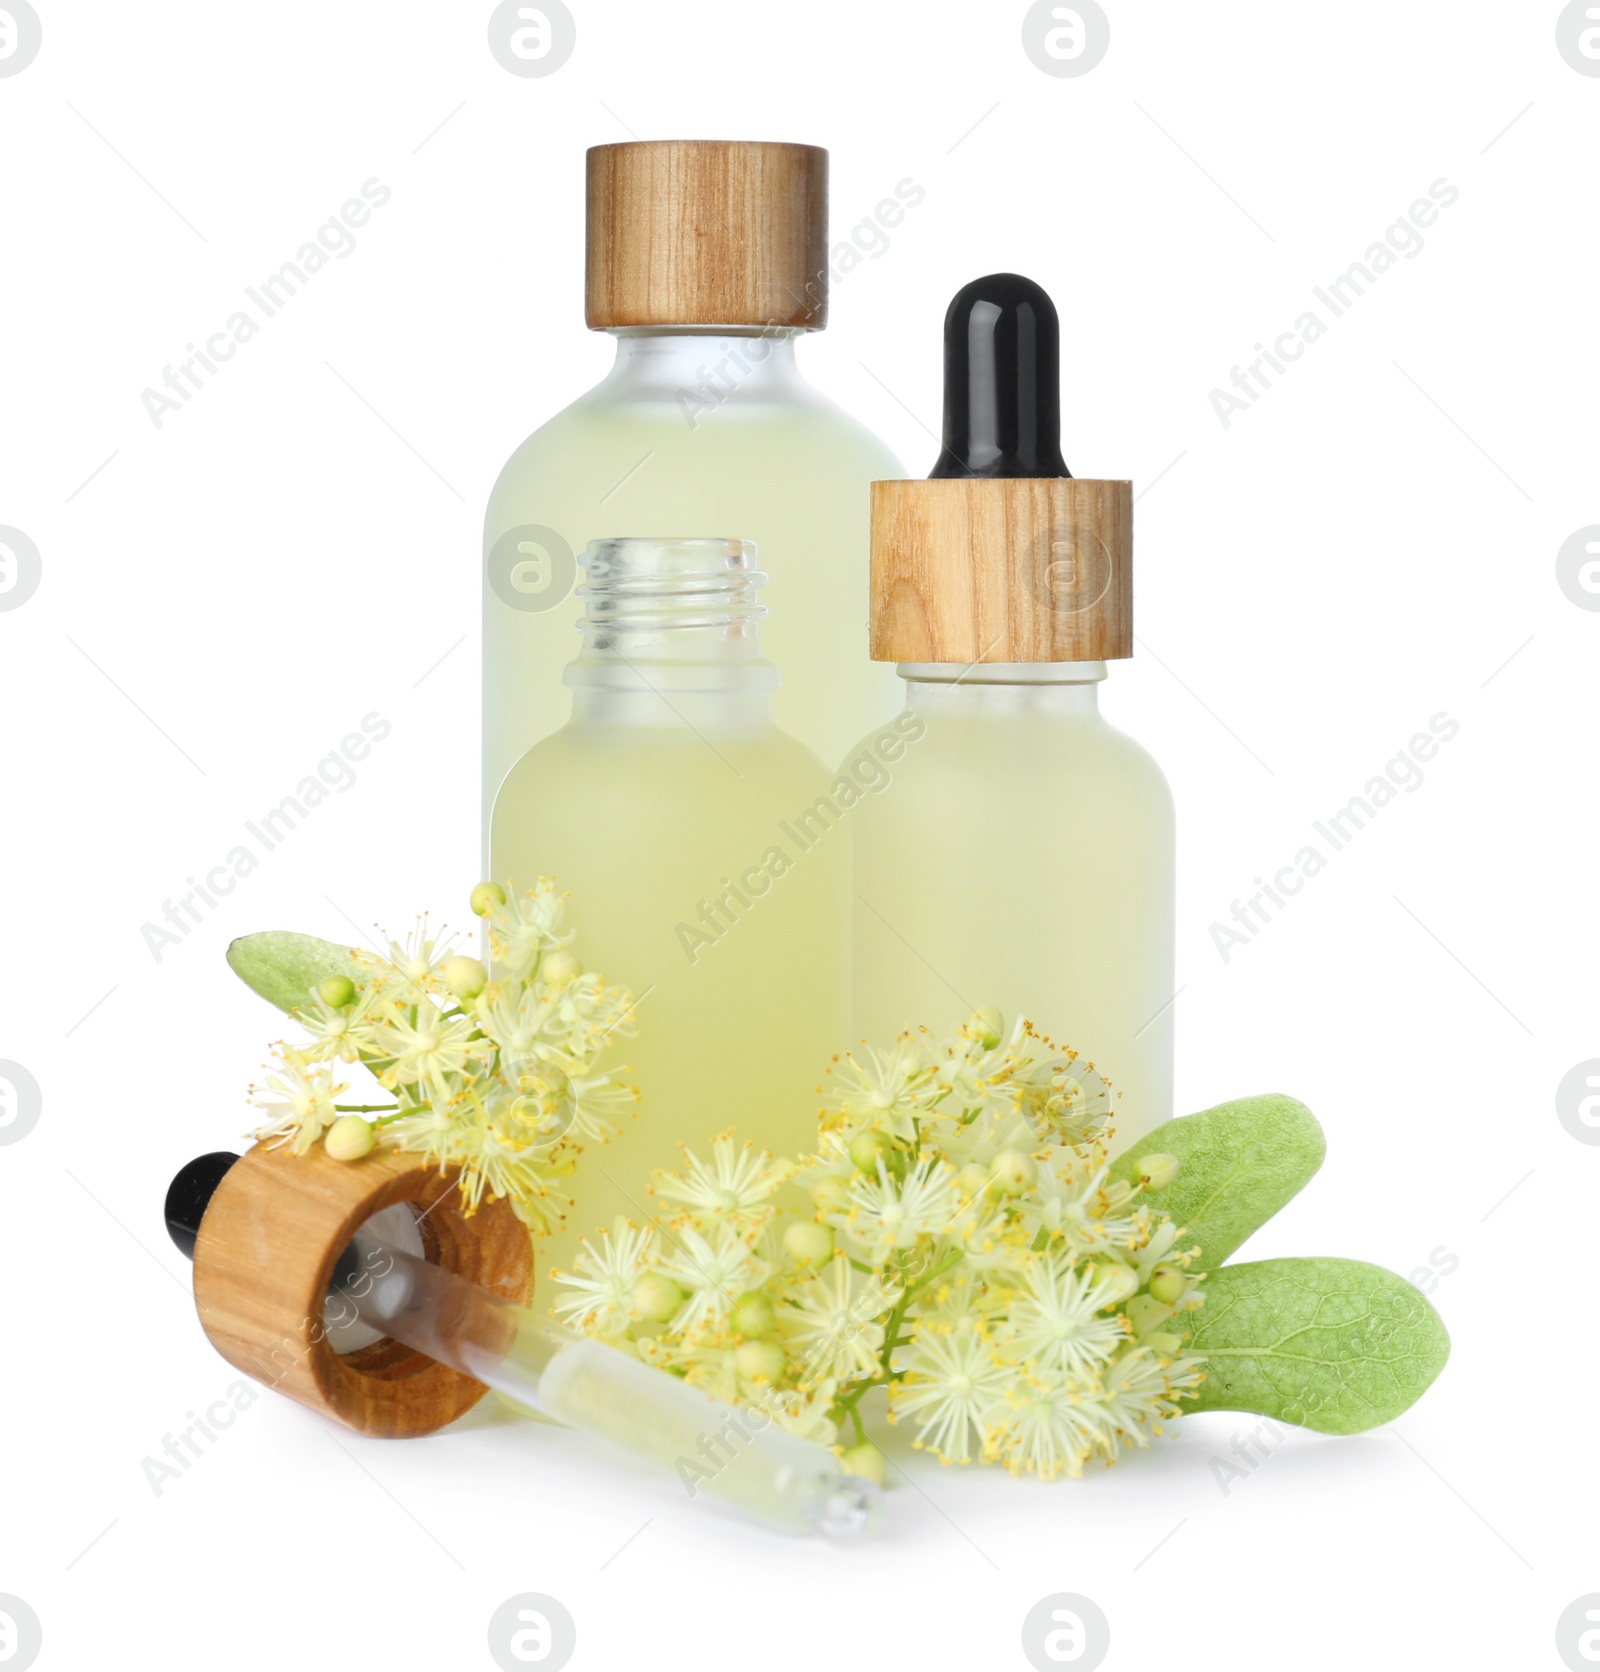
x=1020, y=854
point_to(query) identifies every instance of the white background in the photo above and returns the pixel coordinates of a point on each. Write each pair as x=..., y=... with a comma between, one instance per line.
x=1371, y=544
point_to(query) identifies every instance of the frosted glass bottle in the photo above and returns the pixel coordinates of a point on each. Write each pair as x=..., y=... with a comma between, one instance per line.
x=1019, y=850
x=1020, y=854
x=662, y=806
x=691, y=431
x=705, y=259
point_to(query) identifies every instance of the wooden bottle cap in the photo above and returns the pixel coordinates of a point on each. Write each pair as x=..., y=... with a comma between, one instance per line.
x=707, y=232
x=1002, y=569
x=265, y=1254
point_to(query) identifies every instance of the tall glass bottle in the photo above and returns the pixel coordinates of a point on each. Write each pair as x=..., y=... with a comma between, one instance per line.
x=1019, y=851
x=706, y=260
x=676, y=812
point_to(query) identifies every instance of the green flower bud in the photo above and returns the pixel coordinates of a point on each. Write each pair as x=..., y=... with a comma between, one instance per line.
x=656, y=1298
x=867, y=1148
x=866, y=1461
x=808, y=1243
x=753, y=1316
x=1145, y=1313
x=465, y=977
x=336, y=991
x=989, y=1026
x=486, y=897
x=1158, y=1172
x=1012, y=1172
x=1167, y=1284
x=349, y=1138
x=1164, y=1344
x=760, y=1361
x=1119, y=1280
x=559, y=968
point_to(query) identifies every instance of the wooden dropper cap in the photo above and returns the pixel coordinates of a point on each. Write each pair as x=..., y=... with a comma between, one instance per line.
x=1002, y=556
x=707, y=232
x=266, y=1231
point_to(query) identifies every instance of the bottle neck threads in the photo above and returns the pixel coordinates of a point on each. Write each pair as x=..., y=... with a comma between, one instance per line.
x=669, y=616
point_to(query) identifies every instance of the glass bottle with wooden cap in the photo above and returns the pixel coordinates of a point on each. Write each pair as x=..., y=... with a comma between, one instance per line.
x=706, y=261
x=1019, y=852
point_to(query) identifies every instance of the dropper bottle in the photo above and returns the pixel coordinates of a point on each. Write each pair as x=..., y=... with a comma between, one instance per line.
x=1020, y=852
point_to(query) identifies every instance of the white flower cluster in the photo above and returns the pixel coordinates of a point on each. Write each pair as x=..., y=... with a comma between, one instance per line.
x=495, y=1072
x=960, y=1241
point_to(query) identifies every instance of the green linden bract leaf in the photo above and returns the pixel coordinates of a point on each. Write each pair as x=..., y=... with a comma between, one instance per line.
x=1335, y=1345
x=283, y=967
x=1237, y=1165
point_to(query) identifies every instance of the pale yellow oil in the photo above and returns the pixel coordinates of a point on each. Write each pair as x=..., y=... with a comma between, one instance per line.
x=790, y=472
x=736, y=1021
x=1020, y=854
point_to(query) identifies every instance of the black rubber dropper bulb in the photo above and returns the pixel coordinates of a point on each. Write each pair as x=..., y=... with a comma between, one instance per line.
x=190, y=1193
x=1002, y=381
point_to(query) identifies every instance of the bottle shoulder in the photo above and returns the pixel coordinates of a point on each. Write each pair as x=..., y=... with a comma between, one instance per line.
x=599, y=435
x=663, y=756
x=1012, y=754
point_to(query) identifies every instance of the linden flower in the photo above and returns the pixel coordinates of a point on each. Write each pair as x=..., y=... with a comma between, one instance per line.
x=984, y=1132
x=417, y=961
x=588, y=1011
x=830, y=1175
x=496, y=1152
x=429, y=1051
x=961, y=1304
x=832, y=1320
x=301, y=1107
x=1036, y=1066
x=1047, y=1428
x=882, y=1089
x=1060, y=1322
x=603, y=1283
x=803, y=1414
x=887, y=1215
x=1078, y=1110
x=953, y=1384
x=974, y=1069
x=1139, y=1392
x=1154, y=1247
x=340, y=1035
x=542, y=1111
x=523, y=1018
x=525, y=927
x=965, y=1071
x=598, y=1100
x=982, y=1230
x=713, y=1273
x=495, y=1160
x=1069, y=1205
x=734, y=1190
x=516, y=1019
